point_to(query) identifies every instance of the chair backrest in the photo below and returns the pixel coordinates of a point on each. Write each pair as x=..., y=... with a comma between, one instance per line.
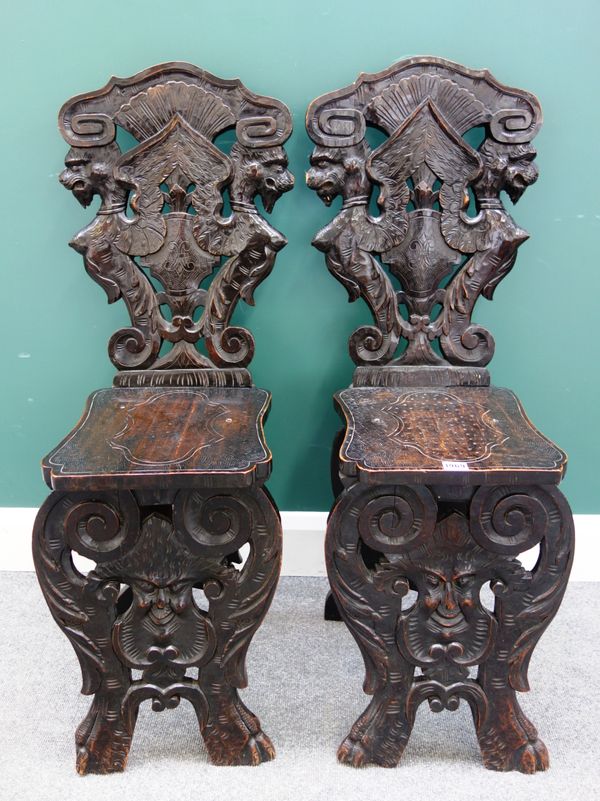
x=159, y=231
x=456, y=138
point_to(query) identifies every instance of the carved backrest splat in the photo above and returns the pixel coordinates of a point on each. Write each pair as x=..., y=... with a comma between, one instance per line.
x=174, y=234
x=443, y=253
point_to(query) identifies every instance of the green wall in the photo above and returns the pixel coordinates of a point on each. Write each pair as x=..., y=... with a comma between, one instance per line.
x=57, y=323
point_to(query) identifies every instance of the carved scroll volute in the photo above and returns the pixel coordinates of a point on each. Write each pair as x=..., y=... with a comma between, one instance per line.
x=428, y=178
x=173, y=182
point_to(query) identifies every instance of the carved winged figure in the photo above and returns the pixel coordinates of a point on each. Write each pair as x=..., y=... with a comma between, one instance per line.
x=161, y=212
x=89, y=172
x=245, y=236
x=440, y=202
x=352, y=237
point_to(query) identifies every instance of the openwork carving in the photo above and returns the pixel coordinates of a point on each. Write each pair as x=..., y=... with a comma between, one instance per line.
x=441, y=479
x=155, y=625
x=160, y=222
x=447, y=630
x=442, y=229
x=161, y=481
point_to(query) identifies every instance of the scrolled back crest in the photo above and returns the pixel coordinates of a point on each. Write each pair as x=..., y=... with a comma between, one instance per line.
x=88, y=120
x=173, y=182
x=338, y=119
x=426, y=175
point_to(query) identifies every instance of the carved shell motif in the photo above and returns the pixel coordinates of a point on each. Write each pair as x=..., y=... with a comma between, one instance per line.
x=460, y=107
x=149, y=111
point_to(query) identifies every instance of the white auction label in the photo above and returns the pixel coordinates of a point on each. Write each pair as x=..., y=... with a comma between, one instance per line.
x=454, y=465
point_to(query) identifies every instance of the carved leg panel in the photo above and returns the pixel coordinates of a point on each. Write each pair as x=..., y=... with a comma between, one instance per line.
x=157, y=555
x=369, y=599
x=508, y=521
x=428, y=650
x=331, y=609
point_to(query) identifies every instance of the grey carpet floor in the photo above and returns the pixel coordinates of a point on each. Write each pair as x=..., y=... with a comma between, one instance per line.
x=305, y=685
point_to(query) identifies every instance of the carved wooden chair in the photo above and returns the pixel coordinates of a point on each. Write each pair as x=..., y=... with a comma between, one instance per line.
x=443, y=479
x=162, y=480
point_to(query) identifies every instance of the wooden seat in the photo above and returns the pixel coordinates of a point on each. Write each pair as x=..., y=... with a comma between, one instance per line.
x=149, y=437
x=440, y=479
x=447, y=435
x=161, y=483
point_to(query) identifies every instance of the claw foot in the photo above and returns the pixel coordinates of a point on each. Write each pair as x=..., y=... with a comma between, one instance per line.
x=102, y=742
x=510, y=740
x=353, y=753
x=253, y=750
x=528, y=758
x=236, y=738
x=365, y=751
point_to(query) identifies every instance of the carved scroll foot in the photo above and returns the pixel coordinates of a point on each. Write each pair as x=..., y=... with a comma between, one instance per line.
x=103, y=738
x=509, y=741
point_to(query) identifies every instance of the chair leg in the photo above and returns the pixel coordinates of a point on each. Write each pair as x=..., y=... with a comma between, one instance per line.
x=446, y=554
x=86, y=610
x=160, y=553
x=525, y=604
x=369, y=605
x=238, y=604
x=232, y=733
x=331, y=611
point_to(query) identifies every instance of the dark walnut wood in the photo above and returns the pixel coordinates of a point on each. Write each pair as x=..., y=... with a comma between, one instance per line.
x=173, y=183
x=161, y=483
x=443, y=229
x=442, y=481
x=463, y=435
x=163, y=438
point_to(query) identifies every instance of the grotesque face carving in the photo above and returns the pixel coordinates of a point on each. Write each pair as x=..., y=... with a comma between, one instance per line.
x=338, y=171
x=449, y=593
x=163, y=626
x=326, y=175
x=447, y=628
x=260, y=171
x=88, y=171
x=508, y=167
x=521, y=172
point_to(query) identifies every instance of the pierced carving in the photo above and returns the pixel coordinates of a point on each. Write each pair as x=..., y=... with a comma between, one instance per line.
x=163, y=481
x=173, y=182
x=155, y=625
x=427, y=176
x=441, y=480
x=447, y=630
